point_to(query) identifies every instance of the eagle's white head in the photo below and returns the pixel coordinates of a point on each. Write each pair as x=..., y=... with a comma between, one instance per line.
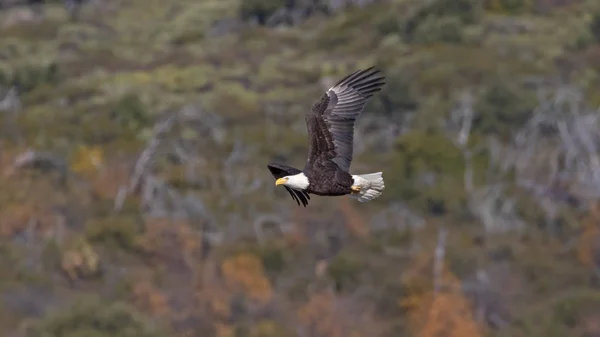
x=297, y=181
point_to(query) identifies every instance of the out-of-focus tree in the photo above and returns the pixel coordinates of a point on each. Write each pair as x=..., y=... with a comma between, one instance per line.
x=435, y=300
x=92, y=316
x=588, y=249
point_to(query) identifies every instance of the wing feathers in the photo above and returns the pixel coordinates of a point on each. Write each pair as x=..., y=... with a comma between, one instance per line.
x=337, y=110
x=330, y=124
x=356, y=77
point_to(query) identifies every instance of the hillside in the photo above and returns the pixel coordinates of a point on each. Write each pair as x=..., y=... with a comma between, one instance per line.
x=134, y=138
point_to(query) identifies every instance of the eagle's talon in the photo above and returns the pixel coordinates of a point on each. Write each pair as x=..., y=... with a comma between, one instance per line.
x=355, y=189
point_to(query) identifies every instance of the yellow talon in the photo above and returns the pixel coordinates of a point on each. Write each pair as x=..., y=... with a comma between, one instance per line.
x=355, y=189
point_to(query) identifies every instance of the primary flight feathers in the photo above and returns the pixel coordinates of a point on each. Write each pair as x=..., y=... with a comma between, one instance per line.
x=330, y=126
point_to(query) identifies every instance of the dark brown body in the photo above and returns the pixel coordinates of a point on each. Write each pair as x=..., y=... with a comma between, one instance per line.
x=329, y=179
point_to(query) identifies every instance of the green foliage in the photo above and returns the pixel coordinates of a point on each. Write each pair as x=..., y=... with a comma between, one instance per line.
x=33, y=31
x=468, y=11
x=51, y=255
x=269, y=329
x=502, y=107
x=27, y=78
x=391, y=238
x=428, y=172
x=260, y=10
x=557, y=316
x=131, y=113
x=117, y=231
x=440, y=70
x=233, y=100
x=576, y=304
x=8, y=258
x=430, y=23
x=595, y=26
x=439, y=29
x=509, y=6
x=397, y=96
x=273, y=258
x=14, y=271
x=91, y=316
x=390, y=23
x=344, y=270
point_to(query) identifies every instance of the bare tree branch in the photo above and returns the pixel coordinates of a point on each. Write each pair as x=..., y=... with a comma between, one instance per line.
x=10, y=104
x=438, y=265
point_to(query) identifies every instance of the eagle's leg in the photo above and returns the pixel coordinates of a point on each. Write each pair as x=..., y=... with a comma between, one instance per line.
x=355, y=189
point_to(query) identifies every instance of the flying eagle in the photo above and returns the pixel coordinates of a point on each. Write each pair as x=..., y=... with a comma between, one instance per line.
x=330, y=125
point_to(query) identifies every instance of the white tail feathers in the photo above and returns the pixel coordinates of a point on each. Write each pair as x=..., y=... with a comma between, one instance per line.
x=371, y=186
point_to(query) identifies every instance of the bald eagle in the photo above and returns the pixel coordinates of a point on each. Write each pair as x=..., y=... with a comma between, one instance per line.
x=330, y=126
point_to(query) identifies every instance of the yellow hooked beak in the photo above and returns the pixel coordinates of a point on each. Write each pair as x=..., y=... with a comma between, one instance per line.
x=281, y=181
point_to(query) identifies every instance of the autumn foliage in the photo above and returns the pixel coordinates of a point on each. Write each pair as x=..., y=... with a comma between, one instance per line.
x=589, y=245
x=245, y=272
x=437, y=312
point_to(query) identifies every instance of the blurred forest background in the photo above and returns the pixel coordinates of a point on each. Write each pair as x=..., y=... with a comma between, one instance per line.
x=135, y=199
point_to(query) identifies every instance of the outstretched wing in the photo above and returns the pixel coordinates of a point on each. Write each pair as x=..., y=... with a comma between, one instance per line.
x=279, y=171
x=330, y=123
